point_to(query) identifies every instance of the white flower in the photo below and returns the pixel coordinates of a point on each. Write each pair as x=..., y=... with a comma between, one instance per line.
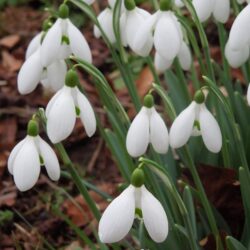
x=220, y=9
x=147, y=127
x=239, y=36
x=164, y=32
x=196, y=120
x=179, y=3
x=25, y=160
x=61, y=114
x=118, y=218
x=89, y=2
x=32, y=72
x=62, y=40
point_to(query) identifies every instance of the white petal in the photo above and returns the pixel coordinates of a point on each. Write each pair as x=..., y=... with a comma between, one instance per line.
x=87, y=114
x=138, y=134
x=143, y=40
x=13, y=155
x=51, y=43
x=248, y=95
x=105, y=19
x=136, y=16
x=78, y=43
x=158, y=133
x=30, y=74
x=118, y=218
x=185, y=57
x=26, y=166
x=50, y=160
x=161, y=64
x=154, y=216
x=221, y=10
x=64, y=52
x=236, y=58
x=239, y=35
x=182, y=127
x=210, y=130
x=56, y=73
x=33, y=45
x=203, y=8
x=167, y=39
x=61, y=116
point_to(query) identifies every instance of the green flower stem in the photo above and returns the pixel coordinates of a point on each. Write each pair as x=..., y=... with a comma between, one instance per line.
x=77, y=180
x=171, y=187
x=203, y=198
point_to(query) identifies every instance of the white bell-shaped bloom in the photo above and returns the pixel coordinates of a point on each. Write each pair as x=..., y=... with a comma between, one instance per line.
x=196, y=120
x=119, y=216
x=147, y=127
x=61, y=114
x=239, y=36
x=220, y=9
x=34, y=44
x=25, y=162
x=32, y=72
x=179, y=3
x=163, y=31
x=62, y=40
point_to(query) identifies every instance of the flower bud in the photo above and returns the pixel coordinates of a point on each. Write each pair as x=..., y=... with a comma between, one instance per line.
x=199, y=97
x=165, y=5
x=71, y=79
x=137, y=178
x=63, y=11
x=129, y=4
x=32, y=128
x=148, y=101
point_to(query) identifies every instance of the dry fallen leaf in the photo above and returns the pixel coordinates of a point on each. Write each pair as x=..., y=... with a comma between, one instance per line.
x=9, y=41
x=10, y=62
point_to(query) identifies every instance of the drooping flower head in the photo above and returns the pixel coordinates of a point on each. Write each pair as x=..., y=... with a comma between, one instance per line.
x=64, y=39
x=28, y=155
x=32, y=71
x=196, y=120
x=65, y=106
x=147, y=127
x=134, y=201
x=163, y=31
x=237, y=48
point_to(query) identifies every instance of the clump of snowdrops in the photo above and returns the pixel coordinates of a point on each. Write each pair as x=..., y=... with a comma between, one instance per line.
x=208, y=125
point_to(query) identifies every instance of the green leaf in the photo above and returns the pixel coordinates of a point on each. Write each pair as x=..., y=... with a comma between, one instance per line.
x=234, y=244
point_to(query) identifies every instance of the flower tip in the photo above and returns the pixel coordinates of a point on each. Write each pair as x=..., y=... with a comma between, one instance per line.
x=199, y=97
x=32, y=128
x=137, y=178
x=47, y=24
x=63, y=11
x=165, y=5
x=71, y=79
x=148, y=101
x=129, y=4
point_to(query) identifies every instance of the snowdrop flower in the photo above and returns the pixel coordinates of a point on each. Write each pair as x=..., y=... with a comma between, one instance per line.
x=237, y=49
x=147, y=127
x=65, y=106
x=179, y=3
x=32, y=72
x=134, y=201
x=89, y=2
x=196, y=120
x=220, y=9
x=164, y=32
x=64, y=39
x=28, y=155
